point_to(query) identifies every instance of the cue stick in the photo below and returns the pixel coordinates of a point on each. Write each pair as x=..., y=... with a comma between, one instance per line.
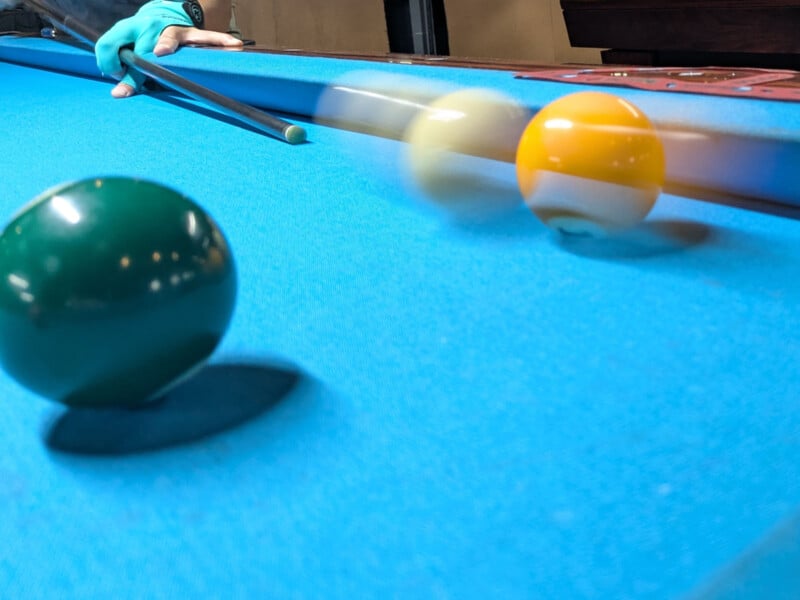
x=257, y=119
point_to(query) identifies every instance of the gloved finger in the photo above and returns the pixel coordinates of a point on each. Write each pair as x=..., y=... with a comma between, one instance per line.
x=134, y=79
x=108, y=46
x=144, y=44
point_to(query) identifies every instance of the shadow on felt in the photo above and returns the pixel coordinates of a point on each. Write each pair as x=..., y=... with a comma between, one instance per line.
x=650, y=239
x=185, y=103
x=218, y=398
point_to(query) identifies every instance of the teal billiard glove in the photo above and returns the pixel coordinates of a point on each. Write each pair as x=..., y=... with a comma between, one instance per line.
x=141, y=31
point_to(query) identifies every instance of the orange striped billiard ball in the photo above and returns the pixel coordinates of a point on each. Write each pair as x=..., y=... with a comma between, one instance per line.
x=590, y=163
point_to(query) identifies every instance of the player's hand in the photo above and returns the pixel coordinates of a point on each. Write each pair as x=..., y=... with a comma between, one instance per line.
x=160, y=26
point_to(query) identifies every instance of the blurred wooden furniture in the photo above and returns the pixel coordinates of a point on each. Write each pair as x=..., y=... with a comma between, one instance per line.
x=688, y=32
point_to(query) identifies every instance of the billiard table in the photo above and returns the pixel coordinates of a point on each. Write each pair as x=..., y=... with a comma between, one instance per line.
x=410, y=403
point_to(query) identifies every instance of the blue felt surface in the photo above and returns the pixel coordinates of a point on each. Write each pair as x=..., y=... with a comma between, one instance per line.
x=484, y=412
x=748, y=147
x=770, y=569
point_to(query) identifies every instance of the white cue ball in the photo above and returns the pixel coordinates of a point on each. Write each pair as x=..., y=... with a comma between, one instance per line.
x=460, y=150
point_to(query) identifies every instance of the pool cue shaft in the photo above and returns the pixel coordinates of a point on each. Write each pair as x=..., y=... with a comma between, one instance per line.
x=255, y=118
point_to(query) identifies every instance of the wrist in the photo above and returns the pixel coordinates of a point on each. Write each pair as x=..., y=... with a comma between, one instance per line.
x=187, y=12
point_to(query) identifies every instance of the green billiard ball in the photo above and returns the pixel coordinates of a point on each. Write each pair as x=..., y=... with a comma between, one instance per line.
x=111, y=290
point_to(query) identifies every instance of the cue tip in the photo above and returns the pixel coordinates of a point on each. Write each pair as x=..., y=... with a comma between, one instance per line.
x=294, y=134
